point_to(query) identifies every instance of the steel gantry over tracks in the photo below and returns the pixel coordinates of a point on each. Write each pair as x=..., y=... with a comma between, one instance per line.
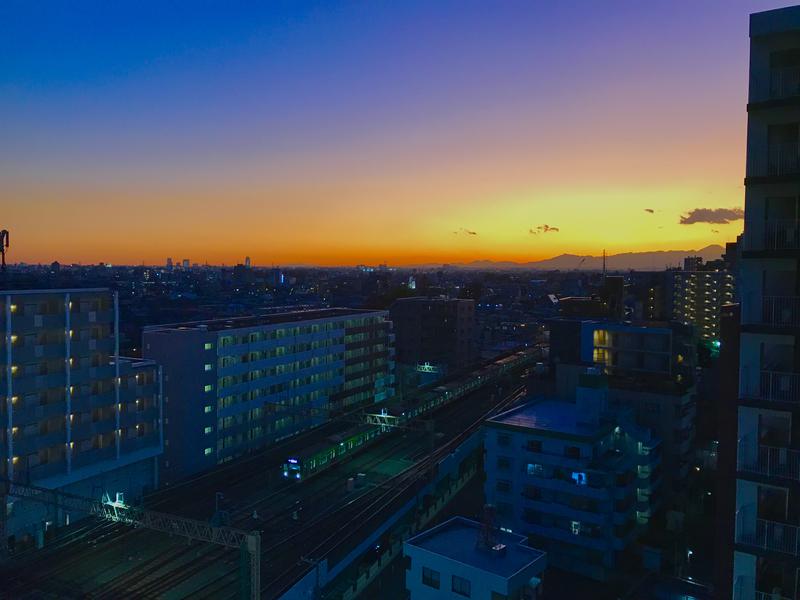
x=117, y=511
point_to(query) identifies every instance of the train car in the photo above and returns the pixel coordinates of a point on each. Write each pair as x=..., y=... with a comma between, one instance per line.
x=333, y=449
x=328, y=452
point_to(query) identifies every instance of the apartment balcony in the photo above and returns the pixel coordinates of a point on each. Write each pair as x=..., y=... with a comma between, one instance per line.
x=772, y=311
x=768, y=461
x=89, y=346
x=86, y=403
x=32, y=352
x=780, y=161
x=82, y=319
x=745, y=589
x=781, y=83
x=36, y=322
x=773, y=235
x=765, y=534
x=34, y=412
x=770, y=386
x=26, y=444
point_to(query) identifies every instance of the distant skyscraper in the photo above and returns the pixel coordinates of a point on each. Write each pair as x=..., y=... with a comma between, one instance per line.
x=767, y=528
x=247, y=262
x=169, y=263
x=186, y=263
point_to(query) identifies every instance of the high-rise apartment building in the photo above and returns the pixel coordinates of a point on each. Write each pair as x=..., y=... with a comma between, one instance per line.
x=232, y=386
x=696, y=295
x=767, y=528
x=75, y=415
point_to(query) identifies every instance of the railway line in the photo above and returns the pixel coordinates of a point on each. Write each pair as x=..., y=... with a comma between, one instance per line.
x=299, y=516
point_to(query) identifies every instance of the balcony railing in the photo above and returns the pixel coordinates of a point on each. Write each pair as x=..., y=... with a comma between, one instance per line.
x=771, y=386
x=779, y=160
x=745, y=589
x=773, y=234
x=766, y=534
x=770, y=461
x=779, y=83
x=778, y=311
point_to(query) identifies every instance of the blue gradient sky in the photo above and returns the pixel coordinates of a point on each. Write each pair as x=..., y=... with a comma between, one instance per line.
x=354, y=132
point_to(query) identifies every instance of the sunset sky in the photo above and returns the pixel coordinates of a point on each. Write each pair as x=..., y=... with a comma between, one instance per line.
x=358, y=132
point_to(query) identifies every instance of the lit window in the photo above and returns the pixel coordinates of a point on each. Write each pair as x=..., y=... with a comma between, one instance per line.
x=208, y=387
x=208, y=408
x=208, y=346
x=575, y=527
x=208, y=451
x=207, y=430
x=535, y=469
x=579, y=478
x=208, y=367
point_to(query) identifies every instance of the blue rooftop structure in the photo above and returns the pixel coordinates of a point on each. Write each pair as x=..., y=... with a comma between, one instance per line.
x=554, y=416
x=448, y=561
x=456, y=540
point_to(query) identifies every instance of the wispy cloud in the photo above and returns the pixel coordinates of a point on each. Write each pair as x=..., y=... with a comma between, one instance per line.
x=465, y=231
x=720, y=216
x=543, y=229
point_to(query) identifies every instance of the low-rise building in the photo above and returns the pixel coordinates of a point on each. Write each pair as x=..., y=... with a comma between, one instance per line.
x=461, y=558
x=579, y=481
x=236, y=385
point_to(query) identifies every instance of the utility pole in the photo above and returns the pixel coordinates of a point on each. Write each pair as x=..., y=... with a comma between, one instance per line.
x=4, y=244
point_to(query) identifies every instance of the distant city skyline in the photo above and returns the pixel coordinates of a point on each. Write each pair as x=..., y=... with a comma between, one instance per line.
x=339, y=134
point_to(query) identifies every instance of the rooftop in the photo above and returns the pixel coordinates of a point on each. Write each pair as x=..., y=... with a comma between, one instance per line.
x=781, y=20
x=615, y=324
x=431, y=299
x=136, y=362
x=456, y=539
x=54, y=291
x=261, y=320
x=551, y=416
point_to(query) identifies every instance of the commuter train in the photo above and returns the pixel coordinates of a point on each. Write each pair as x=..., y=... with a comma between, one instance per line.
x=333, y=449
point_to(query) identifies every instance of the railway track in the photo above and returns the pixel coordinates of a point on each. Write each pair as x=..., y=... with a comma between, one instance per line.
x=172, y=572
x=400, y=487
